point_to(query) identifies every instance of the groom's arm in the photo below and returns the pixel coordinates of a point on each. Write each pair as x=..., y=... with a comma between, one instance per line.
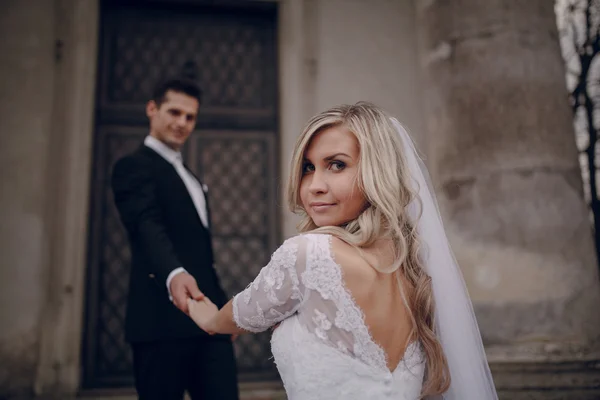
x=134, y=190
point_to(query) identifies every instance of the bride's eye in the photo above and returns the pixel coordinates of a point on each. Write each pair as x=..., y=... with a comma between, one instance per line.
x=307, y=167
x=337, y=165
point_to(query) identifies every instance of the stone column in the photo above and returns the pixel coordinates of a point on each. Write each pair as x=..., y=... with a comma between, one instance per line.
x=67, y=182
x=503, y=157
x=26, y=90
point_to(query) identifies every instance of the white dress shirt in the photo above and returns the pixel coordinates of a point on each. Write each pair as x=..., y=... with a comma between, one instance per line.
x=194, y=188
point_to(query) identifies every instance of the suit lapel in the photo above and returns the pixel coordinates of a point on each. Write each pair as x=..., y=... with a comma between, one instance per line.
x=168, y=171
x=204, y=191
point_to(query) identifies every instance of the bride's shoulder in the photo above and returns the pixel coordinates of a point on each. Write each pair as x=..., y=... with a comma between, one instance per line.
x=324, y=245
x=294, y=244
x=317, y=244
x=306, y=238
x=350, y=260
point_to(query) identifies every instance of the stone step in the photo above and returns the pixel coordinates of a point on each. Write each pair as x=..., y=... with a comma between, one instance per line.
x=573, y=380
x=248, y=391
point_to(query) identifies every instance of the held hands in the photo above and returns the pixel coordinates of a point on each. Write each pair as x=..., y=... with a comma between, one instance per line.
x=203, y=313
x=183, y=287
x=189, y=299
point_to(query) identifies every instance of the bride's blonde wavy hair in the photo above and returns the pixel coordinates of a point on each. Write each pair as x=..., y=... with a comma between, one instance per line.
x=385, y=180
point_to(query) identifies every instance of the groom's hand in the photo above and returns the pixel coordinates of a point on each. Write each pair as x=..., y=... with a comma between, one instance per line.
x=183, y=286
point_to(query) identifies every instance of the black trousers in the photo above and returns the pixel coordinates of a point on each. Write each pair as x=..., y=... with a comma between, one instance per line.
x=166, y=369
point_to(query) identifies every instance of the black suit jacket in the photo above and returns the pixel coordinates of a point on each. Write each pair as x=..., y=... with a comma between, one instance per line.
x=165, y=232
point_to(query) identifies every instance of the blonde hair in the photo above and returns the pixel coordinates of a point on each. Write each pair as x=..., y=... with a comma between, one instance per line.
x=386, y=183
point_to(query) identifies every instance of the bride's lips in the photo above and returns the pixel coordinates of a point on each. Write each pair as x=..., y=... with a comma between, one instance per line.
x=320, y=206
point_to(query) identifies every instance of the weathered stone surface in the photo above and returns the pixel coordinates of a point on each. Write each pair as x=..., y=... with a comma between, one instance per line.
x=26, y=68
x=548, y=381
x=503, y=156
x=18, y=364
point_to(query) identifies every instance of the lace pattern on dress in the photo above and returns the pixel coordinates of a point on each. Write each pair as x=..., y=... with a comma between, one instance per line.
x=269, y=290
x=302, y=265
x=324, y=275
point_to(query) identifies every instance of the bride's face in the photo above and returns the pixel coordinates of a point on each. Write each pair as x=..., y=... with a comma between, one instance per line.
x=328, y=189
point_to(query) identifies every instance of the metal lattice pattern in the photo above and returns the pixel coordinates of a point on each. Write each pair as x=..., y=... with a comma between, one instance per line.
x=234, y=57
x=238, y=262
x=579, y=29
x=113, y=355
x=107, y=353
x=228, y=54
x=235, y=170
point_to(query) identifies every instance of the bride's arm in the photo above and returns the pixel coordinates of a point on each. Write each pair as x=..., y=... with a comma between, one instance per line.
x=210, y=319
x=275, y=294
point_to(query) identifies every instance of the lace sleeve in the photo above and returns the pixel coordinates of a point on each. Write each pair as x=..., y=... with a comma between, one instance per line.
x=277, y=292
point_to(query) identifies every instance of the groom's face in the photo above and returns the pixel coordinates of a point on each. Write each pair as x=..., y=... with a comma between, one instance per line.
x=173, y=120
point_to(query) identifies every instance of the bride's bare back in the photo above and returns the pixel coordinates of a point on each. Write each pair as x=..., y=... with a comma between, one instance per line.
x=377, y=295
x=321, y=293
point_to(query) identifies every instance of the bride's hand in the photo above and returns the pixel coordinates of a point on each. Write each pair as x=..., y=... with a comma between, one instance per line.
x=203, y=313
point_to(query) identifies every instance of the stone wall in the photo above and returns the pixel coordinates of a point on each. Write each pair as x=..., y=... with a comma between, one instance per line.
x=344, y=51
x=26, y=90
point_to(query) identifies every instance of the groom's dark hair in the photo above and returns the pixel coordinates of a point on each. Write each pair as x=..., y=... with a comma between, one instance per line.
x=177, y=85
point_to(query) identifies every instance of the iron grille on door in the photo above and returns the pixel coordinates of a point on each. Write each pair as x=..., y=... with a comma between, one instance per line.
x=233, y=150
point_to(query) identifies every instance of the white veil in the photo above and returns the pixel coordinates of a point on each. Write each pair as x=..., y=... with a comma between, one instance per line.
x=455, y=323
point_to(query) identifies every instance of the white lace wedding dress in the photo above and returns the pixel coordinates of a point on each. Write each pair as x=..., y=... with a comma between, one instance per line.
x=323, y=348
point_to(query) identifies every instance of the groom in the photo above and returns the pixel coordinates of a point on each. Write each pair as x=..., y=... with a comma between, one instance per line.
x=164, y=209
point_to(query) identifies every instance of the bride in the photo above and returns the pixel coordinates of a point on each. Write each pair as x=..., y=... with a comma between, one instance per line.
x=369, y=298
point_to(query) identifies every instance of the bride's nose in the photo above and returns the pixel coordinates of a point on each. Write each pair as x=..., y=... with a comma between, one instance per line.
x=318, y=183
